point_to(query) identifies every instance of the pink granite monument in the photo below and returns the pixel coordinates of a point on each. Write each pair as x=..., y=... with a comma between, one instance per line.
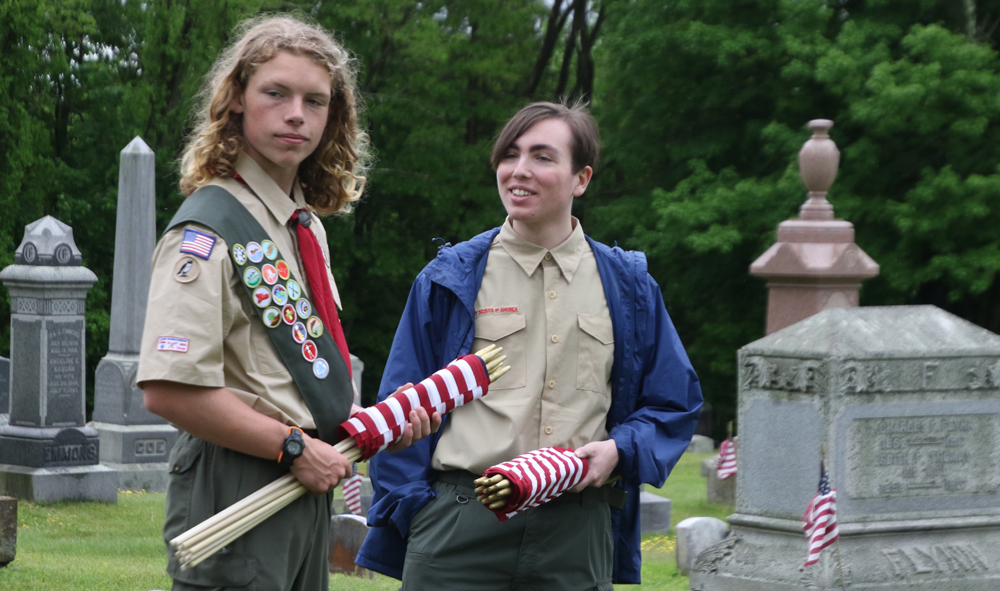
x=815, y=264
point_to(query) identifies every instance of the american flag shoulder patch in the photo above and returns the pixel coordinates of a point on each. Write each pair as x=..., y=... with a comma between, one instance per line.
x=176, y=344
x=197, y=243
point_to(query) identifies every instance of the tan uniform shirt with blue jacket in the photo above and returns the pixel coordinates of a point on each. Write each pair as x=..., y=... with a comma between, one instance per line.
x=547, y=309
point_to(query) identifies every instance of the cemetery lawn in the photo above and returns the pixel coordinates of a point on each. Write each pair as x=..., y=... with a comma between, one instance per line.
x=85, y=546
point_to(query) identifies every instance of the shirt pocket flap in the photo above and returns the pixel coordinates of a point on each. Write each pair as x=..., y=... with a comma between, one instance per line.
x=497, y=326
x=598, y=327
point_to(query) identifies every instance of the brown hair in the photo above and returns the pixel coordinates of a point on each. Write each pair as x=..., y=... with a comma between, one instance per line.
x=332, y=177
x=586, y=146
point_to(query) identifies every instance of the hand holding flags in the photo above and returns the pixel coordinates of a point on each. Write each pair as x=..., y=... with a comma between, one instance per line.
x=821, y=517
x=529, y=480
x=370, y=431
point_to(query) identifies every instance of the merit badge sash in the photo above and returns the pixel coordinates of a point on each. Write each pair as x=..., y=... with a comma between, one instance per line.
x=297, y=333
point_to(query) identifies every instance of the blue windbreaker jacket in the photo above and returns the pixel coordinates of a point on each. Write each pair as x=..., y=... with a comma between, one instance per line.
x=656, y=396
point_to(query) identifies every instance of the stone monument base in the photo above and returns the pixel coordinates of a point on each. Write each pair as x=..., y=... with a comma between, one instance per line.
x=766, y=554
x=50, y=485
x=138, y=452
x=142, y=477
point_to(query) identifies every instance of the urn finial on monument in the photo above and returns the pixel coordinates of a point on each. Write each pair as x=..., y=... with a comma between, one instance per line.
x=814, y=265
x=819, y=160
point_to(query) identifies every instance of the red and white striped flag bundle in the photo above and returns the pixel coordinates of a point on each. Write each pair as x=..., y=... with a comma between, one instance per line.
x=727, y=460
x=537, y=477
x=352, y=492
x=379, y=426
x=821, y=518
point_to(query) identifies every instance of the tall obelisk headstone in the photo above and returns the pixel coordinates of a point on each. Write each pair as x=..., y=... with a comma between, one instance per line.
x=815, y=264
x=47, y=453
x=133, y=440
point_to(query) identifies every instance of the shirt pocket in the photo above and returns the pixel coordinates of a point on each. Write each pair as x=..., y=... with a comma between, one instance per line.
x=595, y=353
x=507, y=331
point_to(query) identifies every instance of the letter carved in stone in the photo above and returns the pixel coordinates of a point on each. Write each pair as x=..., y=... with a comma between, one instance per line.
x=983, y=376
x=857, y=378
x=941, y=559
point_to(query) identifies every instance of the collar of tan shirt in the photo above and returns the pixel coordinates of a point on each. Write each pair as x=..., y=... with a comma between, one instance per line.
x=529, y=255
x=268, y=191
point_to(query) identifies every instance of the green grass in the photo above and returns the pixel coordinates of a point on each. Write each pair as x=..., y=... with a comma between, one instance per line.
x=91, y=546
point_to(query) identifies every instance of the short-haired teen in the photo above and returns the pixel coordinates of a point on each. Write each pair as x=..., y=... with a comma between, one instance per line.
x=596, y=365
x=277, y=136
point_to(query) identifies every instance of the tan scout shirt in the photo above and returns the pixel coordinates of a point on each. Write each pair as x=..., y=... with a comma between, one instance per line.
x=548, y=311
x=213, y=336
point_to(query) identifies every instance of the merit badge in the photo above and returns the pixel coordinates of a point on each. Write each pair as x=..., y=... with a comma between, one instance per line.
x=288, y=314
x=299, y=332
x=321, y=368
x=187, y=270
x=272, y=317
x=309, y=351
x=197, y=243
x=175, y=344
x=261, y=297
x=315, y=327
x=283, y=271
x=239, y=254
x=280, y=295
x=294, y=291
x=303, y=308
x=270, y=274
x=254, y=252
x=251, y=277
x=270, y=250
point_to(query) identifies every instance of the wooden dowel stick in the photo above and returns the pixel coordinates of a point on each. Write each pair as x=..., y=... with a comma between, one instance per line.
x=223, y=515
x=219, y=531
x=500, y=372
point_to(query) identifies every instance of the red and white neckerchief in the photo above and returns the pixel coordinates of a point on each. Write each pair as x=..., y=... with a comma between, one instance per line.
x=537, y=477
x=379, y=426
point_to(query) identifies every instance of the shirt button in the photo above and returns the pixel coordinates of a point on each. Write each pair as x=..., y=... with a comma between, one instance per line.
x=555, y=338
x=552, y=384
x=548, y=430
x=548, y=256
x=552, y=295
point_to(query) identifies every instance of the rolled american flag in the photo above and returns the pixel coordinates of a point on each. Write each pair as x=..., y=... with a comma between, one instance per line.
x=379, y=426
x=727, y=460
x=535, y=478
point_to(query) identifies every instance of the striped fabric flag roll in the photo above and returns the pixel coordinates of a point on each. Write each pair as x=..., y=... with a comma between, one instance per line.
x=537, y=477
x=379, y=426
x=821, y=518
x=727, y=460
x=352, y=492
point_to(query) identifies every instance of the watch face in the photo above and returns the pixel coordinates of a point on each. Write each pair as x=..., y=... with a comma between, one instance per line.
x=294, y=448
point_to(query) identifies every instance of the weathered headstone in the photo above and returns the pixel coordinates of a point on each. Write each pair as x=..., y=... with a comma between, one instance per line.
x=718, y=491
x=357, y=368
x=4, y=390
x=134, y=441
x=654, y=513
x=701, y=444
x=694, y=535
x=8, y=530
x=347, y=533
x=47, y=453
x=906, y=402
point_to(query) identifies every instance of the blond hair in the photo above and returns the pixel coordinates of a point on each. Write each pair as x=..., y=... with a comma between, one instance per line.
x=332, y=177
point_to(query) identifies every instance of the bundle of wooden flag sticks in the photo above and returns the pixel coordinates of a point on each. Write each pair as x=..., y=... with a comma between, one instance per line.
x=366, y=433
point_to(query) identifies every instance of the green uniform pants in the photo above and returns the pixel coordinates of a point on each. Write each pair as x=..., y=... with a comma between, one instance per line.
x=288, y=552
x=457, y=544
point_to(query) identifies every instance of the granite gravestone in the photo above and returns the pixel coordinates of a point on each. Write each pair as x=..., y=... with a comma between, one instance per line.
x=906, y=402
x=134, y=441
x=47, y=453
x=4, y=390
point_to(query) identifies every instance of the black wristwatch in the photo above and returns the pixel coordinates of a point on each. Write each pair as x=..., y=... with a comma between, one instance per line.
x=292, y=448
